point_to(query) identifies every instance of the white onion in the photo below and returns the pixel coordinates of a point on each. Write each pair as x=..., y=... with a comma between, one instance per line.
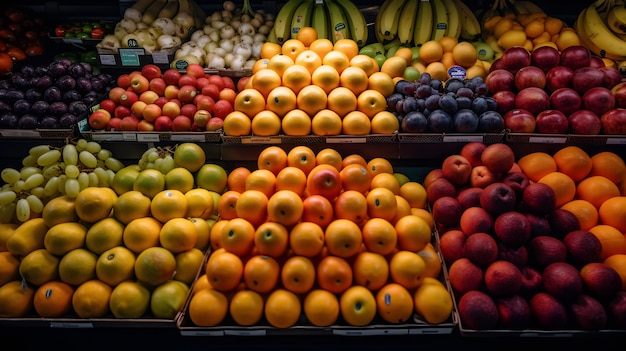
x=229, y=5
x=247, y=39
x=226, y=44
x=219, y=51
x=237, y=63
x=196, y=34
x=211, y=46
x=202, y=40
x=243, y=49
x=227, y=32
x=246, y=29
x=215, y=61
x=215, y=16
x=215, y=36
x=259, y=37
x=218, y=24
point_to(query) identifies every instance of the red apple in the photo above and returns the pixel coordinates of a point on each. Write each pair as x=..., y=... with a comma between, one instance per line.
x=186, y=93
x=121, y=111
x=596, y=62
x=472, y=152
x=201, y=82
x=499, y=80
x=99, y=119
x=505, y=100
x=195, y=70
x=222, y=108
x=151, y=71
x=520, y=121
x=163, y=124
x=456, y=169
x=241, y=83
x=496, y=64
x=614, y=122
x=584, y=122
x=171, y=76
x=559, y=77
x=229, y=82
x=217, y=80
x=161, y=101
x=598, y=100
x=188, y=110
x=123, y=81
x=214, y=124
x=324, y=180
x=187, y=79
x=128, y=98
x=108, y=105
x=204, y=102
x=619, y=91
x=228, y=94
x=114, y=124
x=552, y=122
x=481, y=176
x=545, y=57
x=201, y=118
x=566, y=100
x=515, y=58
x=530, y=76
x=211, y=90
x=145, y=126
x=139, y=83
x=612, y=76
x=575, y=57
x=158, y=85
x=129, y=123
x=532, y=99
x=181, y=123
x=585, y=78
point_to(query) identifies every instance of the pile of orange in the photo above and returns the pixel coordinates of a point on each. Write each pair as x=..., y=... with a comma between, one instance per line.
x=312, y=86
x=322, y=236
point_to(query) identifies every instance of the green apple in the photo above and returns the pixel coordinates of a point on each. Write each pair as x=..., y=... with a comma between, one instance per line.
x=411, y=74
x=484, y=51
x=380, y=59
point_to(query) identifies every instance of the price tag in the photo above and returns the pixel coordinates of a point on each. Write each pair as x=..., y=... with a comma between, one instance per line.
x=129, y=136
x=346, y=140
x=202, y=333
x=160, y=58
x=107, y=136
x=107, y=60
x=73, y=40
x=244, y=332
x=260, y=140
x=188, y=137
x=130, y=57
x=548, y=140
x=462, y=138
x=148, y=137
x=29, y=133
x=73, y=325
x=616, y=141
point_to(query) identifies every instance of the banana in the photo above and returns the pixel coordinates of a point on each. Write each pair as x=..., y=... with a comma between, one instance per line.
x=579, y=26
x=356, y=21
x=169, y=10
x=142, y=5
x=518, y=7
x=271, y=36
x=440, y=20
x=152, y=12
x=529, y=6
x=388, y=26
x=407, y=22
x=600, y=35
x=454, y=19
x=616, y=19
x=423, y=23
x=338, y=24
x=302, y=17
x=319, y=21
x=380, y=37
x=470, y=26
x=282, y=22
x=198, y=14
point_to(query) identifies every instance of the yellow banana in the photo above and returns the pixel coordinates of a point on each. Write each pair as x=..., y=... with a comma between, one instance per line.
x=356, y=21
x=440, y=20
x=302, y=17
x=600, y=35
x=282, y=22
x=142, y=5
x=319, y=21
x=454, y=19
x=579, y=26
x=470, y=26
x=152, y=12
x=616, y=19
x=389, y=19
x=380, y=37
x=407, y=22
x=169, y=10
x=338, y=24
x=423, y=23
x=529, y=6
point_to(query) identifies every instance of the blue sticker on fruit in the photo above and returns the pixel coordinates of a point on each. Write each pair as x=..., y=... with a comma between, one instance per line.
x=457, y=72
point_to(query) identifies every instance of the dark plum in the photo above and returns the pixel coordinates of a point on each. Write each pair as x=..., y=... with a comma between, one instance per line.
x=14, y=95
x=404, y=87
x=432, y=102
x=465, y=92
x=33, y=95
x=66, y=82
x=492, y=104
x=77, y=108
x=490, y=122
x=425, y=78
x=20, y=81
x=414, y=122
x=452, y=85
x=423, y=91
x=4, y=107
x=421, y=104
x=426, y=112
x=65, y=61
x=27, y=122
x=9, y=121
x=465, y=121
x=41, y=71
x=21, y=107
x=71, y=95
x=91, y=98
x=448, y=104
x=439, y=121
x=52, y=94
x=28, y=70
x=3, y=94
x=392, y=100
x=49, y=122
x=479, y=105
x=437, y=84
x=76, y=70
x=87, y=67
x=44, y=82
x=83, y=85
x=464, y=102
x=5, y=84
x=57, y=69
x=400, y=106
x=98, y=84
x=57, y=109
x=482, y=89
x=410, y=104
x=40, y=108
x=67, y=120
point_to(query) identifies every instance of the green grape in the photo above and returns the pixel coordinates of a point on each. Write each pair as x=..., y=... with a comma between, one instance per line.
x=145, y=154
x=93, y=147
x=103, y=178
x=22, y=210
x=26, y=172
x=168, y=164
x=10, y=175
x=19, y=186
x=153, y=156
x=52, y=186
x=150, y=165
x=35, y=203
x=158, y=165
x=103, y=154
x=49, y=158
x=38, y=191
x=6, y=187
x=88, y=159
x=29, y=161
x=113, y=164
x=111, y=175
x=7, y=213
x=81, y=145
x=83, y=180
x=61, y=183
x=72, y=171
x=142, y=163
x=70, y=154
x=100, y=164
x=7, y=196
x=51, y=171
x=93, y=179
x=72, y=188
x=34, y=180
x=38, y=150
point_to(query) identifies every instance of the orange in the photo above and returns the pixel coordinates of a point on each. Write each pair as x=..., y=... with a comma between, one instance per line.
x=334, y=274
x=394, y=66
x=252, y=101
x=403, y=209
x=618, y=263
x=354, y=78
x=407, y=269
x=612, y=240
x=596, y=190
x=370, y=270
x=368, y=64
x=342, y=100
x=260, y=273
x=292, y=48
x=356, y=123
x=246, y=307
x=424, y=214
x=414, y=193
x=613, y=212
x=381, y=203
x=169, y=204
x=279, y=64
x=208, y=308
x=317, y=209
x=394, y=303
x=252, y=206
x=358, y=306
x=296, y=123
x=215, y=237
x=379, y=236
x=609, y=165
x=296, y=77
x=178, y=235
x=298, y=274
x=325, y=77
x=343, y=237
x=308, y=59
x=307, y=35
x=9, y=267
x=263, y=180
x=263, y=82
x=351, y=205
x=291, y=178
x=306, y=239
x=94, y=203
x=280, y=101
x=131, y=205
x=437, y=70
x=142, y=233
x=431, y=258
x=465, y=54
x=371, y=102
x=433, y=301
x=385, y=180
x=271, y=239
x=285, y=207
x=321, y=46
x=536, y=165
x=237, y=179
x=321, y=308
x=448, y=42
x=413, y=233
x=282, y=308
x=269, y=49
x=226, y=204
x=448, y=60
x=353, y=158
x=237, y=236
x=272, y=158
x=224, y=271
x=91, y=299
x=237, y=123
x=573, y=161
x=379, y=165
x=201, y=203
x=16, y=299
x=329, y=156
x=381, y=82
x=53, y=299
x=302, y=157
x=355, y=177
x=326, y=122
x=585, y=211
x=347, y=46
x=154, y=266
x=311, y=99
x=405, y=53
x=336, y=59
x=563, y=186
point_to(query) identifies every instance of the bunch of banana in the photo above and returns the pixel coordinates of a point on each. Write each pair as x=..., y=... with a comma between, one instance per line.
x=601, y=28
x=333, y=19
x=414, y=22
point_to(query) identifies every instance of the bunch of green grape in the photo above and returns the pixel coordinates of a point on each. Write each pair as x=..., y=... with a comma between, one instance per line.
x=48, y=172
x=159, y=158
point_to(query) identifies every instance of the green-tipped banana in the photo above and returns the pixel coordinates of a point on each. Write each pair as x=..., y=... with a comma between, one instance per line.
x=470, y=26
x=407, y=21
x=356, y=21
x=152, y=12
x=319, y=21
x=616, y=19
x=282, y=22
x=302, y=17
x=373, y=49
x=423, y=23
x=338, y=24
x=601, y=35
x=454, y=19
x=389, y=19
x=440, y=20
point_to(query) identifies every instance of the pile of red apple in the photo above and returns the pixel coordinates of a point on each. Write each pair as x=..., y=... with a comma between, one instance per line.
x=515, y=261
x=192, y=100
x=552, y=92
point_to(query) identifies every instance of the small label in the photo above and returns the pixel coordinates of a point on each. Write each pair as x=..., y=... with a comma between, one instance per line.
x=181, y=64
x=130, y=57
x=616, y=141
x=129, y=136
x=108, y=60
x=340, y=26
x=457, y=72
x=202, y=333
x=258, y=332
x=462, y=138
x=346, y=140
x=188, y=137
x=107, y=137
x=548, y=140
x=148, y=137
x=442, y=26
x=430, y=331
x=83, y=125
x=260, y=140
x=72, y=325
x=73, y=41
x=132, y=43
x=160, y=58
x=20, y=133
